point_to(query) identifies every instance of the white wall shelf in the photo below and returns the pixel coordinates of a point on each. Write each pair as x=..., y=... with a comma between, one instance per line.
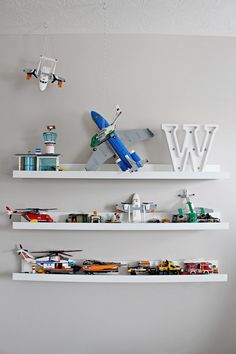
x=148, y=172
x=24, y=225
x=111, y=278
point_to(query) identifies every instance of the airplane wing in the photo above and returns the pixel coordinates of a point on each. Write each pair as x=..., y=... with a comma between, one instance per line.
x=98, y=157
x=126, y=207
x=58, y=78
x=133, y=136
x=149, y=206
x=104, y=152
x=30, y=72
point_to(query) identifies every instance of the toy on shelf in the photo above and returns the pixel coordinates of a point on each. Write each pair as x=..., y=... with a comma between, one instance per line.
x=108, y=143
x=78, y=218
x=45, y=73
x=60, y=262
x=114, y=218
x=95, y=218
x=94, y=266
x=168, y=267
x=49, y=161
x=132, y=211
x=141, y=267
x=31, y=214
x=52, y=262
x=192, y=214
x=136, y=209
x=200, y=267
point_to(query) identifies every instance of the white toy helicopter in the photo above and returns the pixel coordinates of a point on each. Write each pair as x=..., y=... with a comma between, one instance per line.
x=45, y=73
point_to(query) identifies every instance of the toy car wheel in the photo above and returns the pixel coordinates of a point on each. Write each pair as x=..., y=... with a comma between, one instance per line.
x=76, y=269
x=133, y=272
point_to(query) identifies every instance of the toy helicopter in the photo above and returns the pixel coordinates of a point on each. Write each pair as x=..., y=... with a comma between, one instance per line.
x=45, y=73
x=108, y=142
x=136, y=208
x=31, y=214
x=54, y=262
x=192, y=214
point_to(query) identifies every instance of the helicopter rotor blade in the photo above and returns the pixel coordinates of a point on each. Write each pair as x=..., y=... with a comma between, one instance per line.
x=56, y=251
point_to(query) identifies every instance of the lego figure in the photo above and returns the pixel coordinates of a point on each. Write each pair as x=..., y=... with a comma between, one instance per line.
x=95, y=218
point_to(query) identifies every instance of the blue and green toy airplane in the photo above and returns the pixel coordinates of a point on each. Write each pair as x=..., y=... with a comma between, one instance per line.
x=108, y=142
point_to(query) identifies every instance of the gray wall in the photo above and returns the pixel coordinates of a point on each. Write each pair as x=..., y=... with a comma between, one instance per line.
x=155, y=79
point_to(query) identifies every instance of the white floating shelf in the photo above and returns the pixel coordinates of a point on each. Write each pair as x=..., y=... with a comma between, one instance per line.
x=111, y=278
x=112, y=172
x=24, y=225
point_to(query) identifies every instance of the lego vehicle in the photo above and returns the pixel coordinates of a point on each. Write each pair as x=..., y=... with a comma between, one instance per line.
x=45, y=73
x=190, y=213
x=108, y=142
x=142, y=267
x=31, y=214
x=52, y=262
x=58, y=266
x=94, y=266
x=199, y=268
x=207, y=218
x=77, y=218
x=168, y=267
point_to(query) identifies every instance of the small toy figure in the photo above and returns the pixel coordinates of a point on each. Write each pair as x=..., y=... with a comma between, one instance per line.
x=78, y=218
x=45, y=73
x=108, y=143
x=115, y=218
x=94, y=266
x=137, y=209
x=165, y=220
x=31, y=214
x=95, y=218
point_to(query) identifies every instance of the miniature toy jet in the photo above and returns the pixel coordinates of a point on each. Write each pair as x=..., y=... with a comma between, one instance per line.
x=45, y=73
x=55, y=261
x=107, y=143
x=191, y=212
x=31, y=214
x=136, y=208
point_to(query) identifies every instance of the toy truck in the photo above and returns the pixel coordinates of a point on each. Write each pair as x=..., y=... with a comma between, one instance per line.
x=168, y=267
x=199, y=268
x=142, y=267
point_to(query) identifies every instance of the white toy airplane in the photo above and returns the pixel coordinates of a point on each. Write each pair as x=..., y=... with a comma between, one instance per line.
x=136, y=208
x=45, y=73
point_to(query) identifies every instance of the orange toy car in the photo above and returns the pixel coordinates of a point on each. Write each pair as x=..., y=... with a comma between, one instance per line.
x=93, y=266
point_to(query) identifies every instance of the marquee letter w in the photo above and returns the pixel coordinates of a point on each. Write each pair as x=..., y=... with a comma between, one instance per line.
x=191, y=149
